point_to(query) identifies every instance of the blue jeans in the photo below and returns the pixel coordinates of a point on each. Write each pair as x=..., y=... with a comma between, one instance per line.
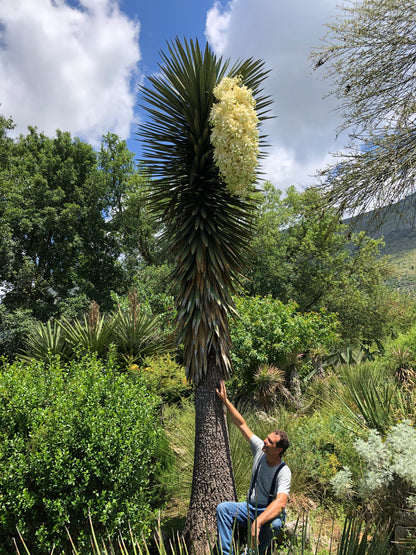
x=232, y=515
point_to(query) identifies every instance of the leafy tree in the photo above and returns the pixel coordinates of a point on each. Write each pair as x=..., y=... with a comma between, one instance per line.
x=72, y=221
x=207, y=231
x=306, y=254
x=369, y=52
x=269, y=332
x=130, y=221
x=6, y=145
x=15, y=326
x=53, y=203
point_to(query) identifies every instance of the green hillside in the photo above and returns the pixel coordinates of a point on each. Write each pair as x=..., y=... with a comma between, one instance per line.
x=397, y=225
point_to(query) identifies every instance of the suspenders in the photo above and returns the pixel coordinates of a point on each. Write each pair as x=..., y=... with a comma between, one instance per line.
x=272, y=487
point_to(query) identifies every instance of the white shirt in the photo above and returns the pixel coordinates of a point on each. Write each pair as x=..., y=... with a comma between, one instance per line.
x=260, y=494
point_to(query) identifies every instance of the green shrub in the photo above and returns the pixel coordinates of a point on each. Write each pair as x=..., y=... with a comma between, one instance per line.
x=319, y=442
x=268, y=332
x=165, y=377
x=77, y=439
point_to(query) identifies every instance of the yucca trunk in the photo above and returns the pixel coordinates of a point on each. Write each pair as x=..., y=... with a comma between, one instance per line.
x=213, y=480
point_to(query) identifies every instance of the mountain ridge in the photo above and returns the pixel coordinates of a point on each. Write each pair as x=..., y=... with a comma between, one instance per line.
x=396, y=225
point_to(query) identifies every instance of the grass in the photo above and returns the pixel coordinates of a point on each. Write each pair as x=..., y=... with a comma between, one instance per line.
x=310, y=537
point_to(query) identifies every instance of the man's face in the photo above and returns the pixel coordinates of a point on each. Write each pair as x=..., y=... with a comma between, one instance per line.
x=270, y=444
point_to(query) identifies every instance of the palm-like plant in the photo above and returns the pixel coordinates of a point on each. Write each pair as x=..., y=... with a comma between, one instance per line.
x=207, y=229
x=269, y=382
x=136, y=333
x=44, y=341
x=93, y=333
x=404, y=371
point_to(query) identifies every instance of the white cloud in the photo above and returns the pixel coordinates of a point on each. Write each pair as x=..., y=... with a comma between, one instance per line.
x=68, y=67
x=217, y=24
x=282, y=33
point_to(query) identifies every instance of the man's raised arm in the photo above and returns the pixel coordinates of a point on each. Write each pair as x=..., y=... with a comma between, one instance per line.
x=233, y=412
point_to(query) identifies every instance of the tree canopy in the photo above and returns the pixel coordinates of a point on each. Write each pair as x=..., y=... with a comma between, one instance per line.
x=306, y=254
x=73, y=222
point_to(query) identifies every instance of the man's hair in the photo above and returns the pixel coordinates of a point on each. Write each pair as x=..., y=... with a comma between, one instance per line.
x=283, y=441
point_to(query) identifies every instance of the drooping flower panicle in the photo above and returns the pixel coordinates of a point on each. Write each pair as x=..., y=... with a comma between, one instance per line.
x=235, y=135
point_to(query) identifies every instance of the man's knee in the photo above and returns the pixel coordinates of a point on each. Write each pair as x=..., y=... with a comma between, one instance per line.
x=222, y=508
x=230, y=510
x=277, y=525
x=225, y=509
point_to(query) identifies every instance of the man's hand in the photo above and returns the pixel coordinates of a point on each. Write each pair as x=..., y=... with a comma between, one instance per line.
x=222, y=392
x=271, y=512
x=255, y=531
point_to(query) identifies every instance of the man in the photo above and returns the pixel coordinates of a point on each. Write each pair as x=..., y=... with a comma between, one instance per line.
x=269, y=488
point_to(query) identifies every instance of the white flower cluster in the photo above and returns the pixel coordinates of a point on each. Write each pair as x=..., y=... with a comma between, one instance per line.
x=235, y=134
x=395, y=455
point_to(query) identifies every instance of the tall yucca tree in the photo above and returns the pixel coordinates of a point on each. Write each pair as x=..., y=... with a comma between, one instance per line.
x=207, y=229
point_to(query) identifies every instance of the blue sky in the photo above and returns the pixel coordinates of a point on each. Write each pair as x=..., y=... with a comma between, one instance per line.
x=76, y=65
x=162, y=20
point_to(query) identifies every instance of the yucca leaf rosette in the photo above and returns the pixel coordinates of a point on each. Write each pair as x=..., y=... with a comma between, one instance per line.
x=235, y=135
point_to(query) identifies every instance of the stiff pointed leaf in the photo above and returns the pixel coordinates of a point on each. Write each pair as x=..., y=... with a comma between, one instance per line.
x=208, y=230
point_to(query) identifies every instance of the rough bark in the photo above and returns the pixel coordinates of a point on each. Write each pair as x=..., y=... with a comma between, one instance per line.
x=213, y=480
x=293, y=382
x=318, y=366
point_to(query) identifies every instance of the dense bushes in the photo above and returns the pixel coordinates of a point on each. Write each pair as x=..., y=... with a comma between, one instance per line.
x=164, y=376
x=270, y=332
x=77, y=439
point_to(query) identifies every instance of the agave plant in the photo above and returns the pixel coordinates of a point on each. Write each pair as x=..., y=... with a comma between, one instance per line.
x=369, y=400
x=44, y=341
x=93, y=333
x=137, y=336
